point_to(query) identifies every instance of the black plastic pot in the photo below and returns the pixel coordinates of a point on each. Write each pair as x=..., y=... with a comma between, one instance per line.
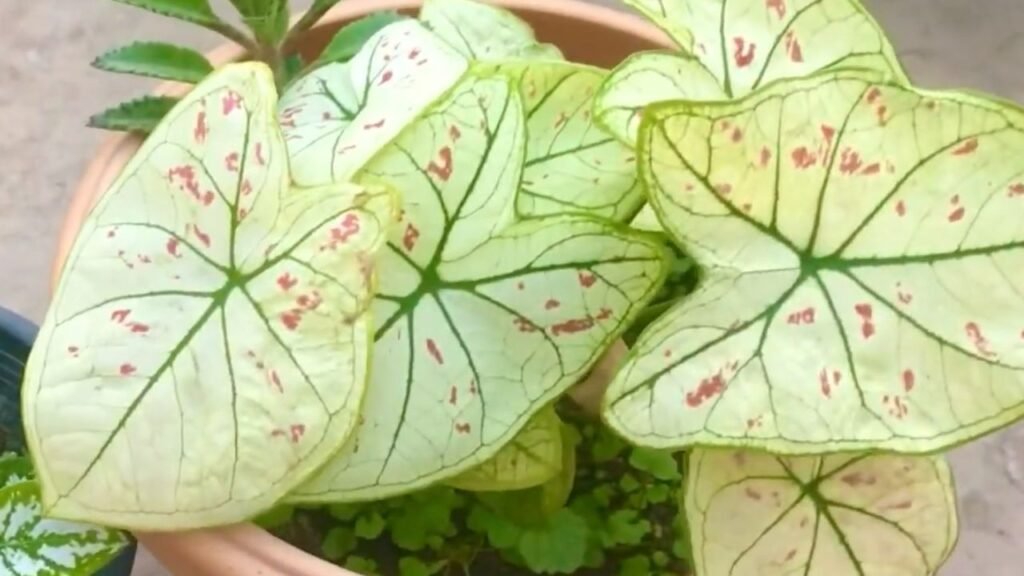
x=16, y=337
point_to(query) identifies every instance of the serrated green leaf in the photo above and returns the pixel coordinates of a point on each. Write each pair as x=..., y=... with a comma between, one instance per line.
x=625, y=528
x=412, y=566
x=532, y=458
x=658, y=463
x=185, y=319
x=338, y=543
x=139, y=115
x=635, y=566
x=15, y=469
x=471, y=296
x=195, y=11
x=731, y=49
x=820, y=516
x=362, y=565
x=816, y=326
x=480, y=31
x=38, y=546
x=157, y=60
x=338, y=117
x=501, y=533
x=268, y=19
x=559, y=547
x=354, y=35
x=370, y=526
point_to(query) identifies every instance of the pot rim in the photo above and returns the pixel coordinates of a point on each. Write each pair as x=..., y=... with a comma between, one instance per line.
x=246, y=549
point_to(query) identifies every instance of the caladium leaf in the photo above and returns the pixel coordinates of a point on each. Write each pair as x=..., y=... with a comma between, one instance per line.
x=862, y=255
x=348, y=41
x=339, y=116
x=753, y=514
x=480, y=31
x=38, y=546
x=482, y=318
x=207, y=345
x=571, y=164
x=532, y=458
x=741, y=45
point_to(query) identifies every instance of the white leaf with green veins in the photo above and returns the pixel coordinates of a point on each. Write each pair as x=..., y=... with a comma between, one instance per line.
x=482, y=319
x=207, y=346
x=742, y=46
x=480, y=31
x=38, y=546
x=532, y=458
x=339, y=116
x=754, y=514
x=864, y=271
x=572, y=166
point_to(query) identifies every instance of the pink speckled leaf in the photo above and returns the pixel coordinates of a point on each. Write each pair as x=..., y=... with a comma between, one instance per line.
x=483, y=318
x=339, y=116
x=207, y=346
x=731, y=48
x=754, y=514
x=863, y=254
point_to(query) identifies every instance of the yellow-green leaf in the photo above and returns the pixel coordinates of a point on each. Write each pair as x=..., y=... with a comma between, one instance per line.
x=480, y=31
x=862, y=286
x=208, y=342
x=753, y=514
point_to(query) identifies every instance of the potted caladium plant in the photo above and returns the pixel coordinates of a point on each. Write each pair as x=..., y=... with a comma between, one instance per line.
x=430, y=298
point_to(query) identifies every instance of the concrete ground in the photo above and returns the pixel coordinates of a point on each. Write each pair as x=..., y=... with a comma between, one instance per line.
x=47, y=91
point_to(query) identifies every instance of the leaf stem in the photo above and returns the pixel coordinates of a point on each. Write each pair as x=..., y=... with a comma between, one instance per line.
x=235, y=35
x=310, y=18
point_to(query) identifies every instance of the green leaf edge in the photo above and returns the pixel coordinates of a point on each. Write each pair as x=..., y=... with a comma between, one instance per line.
x=126, y=116
x=191, y=66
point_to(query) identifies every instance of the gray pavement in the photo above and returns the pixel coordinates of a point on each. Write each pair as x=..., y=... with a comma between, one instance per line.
x=47, y=91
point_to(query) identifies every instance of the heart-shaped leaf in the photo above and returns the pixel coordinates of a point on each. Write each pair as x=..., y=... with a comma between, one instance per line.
x=480, y=31
x=741, y=45
x=341, y=115
x=38, y=546
x=532, y=458
x=207, y=345
x=482, y=318
x=862, y=251
x=753, y=514
x=571, y=164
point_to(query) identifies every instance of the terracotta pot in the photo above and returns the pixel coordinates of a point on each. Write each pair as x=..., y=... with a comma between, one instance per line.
x=585, y=32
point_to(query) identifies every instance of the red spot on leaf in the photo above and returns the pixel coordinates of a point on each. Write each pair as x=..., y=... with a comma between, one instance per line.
x=453, y=396
x=867, y=330
x=766, y=156
x=286, y=281
x=520, y=286
x=561, y=120
x=779, y=6
x=275, y=381
x=203, y=238
x=434, y=351
x=259, y=155
x=881, y=112
x=604, y=314
x=414, y=53
x=803, y=158
x=386, y=77
x=231, y=162
x=904, y=505
x=968, y=147
x=1016, y=190
x=201, y=129
x=851, y=162
x=901, y=208
x=374, y=125
x=805, y=316
x=572, y=326
x=454, y=133
x=864, y=311
x=826, y=387
x=297, y=431
x=409, y=238
x=667, y=353
x=551, y=304
x=127, y=369
x=73, y=350
x=291, y=319
x=855, y=479
x=752, y=494
x=908, y=380
x=793, y=48
x=463, y=428
x=707, y=389
x=120, y=316
x=871, y=169
x=905, y=297
x=790, y=555
x=186, y=176
x=442, y=171
x=586, y=279
x=737, y=135
x=743, y=53
x=976, y=337
x=138, y=328
x=957, y=214
x=231, y=102
x=723, y=189
x=873, y=95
